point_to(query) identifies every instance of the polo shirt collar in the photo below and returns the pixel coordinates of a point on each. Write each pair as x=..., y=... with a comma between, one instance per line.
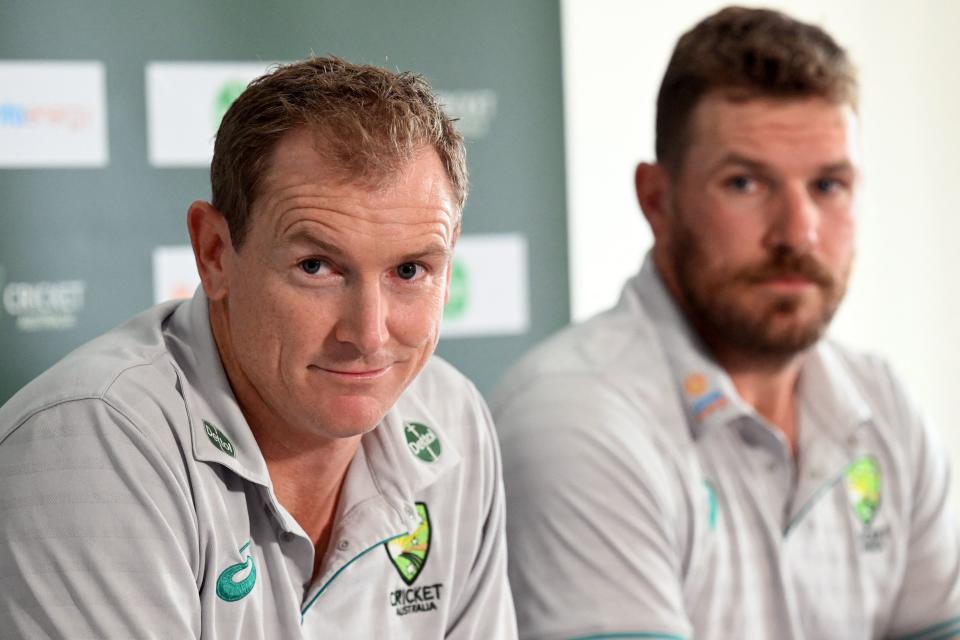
x=219, y=429
x=708, y=394
x=221, y=434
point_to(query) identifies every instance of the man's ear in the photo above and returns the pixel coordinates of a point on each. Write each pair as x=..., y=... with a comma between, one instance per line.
x=652, y=183
x=210, y=237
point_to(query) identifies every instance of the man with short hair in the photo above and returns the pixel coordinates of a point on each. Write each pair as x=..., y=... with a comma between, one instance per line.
x=278, y=457
x=700, y=462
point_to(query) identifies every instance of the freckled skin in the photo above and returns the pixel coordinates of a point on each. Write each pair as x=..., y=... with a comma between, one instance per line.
x=333, y=303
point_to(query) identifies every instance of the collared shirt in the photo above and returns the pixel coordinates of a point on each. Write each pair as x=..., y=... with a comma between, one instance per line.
x=646, y=499
x=135, y=502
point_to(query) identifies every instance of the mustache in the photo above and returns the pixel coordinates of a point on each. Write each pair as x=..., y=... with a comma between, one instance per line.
x=791, y=265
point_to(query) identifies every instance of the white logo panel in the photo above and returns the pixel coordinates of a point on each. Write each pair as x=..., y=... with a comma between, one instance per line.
x=53, y=114
x=185, y=103
x=174, y=273
x=489, y=287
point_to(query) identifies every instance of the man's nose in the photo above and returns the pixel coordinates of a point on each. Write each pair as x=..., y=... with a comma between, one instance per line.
x=363, y=320
x=795, y=221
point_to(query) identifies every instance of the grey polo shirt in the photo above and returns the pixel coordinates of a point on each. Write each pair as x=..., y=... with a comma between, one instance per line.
x=135, y=503
x=645, y=499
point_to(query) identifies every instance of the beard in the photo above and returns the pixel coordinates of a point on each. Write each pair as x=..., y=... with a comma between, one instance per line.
x=770, y=328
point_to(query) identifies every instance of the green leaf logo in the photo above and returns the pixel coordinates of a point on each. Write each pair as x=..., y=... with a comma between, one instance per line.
x=459, y=298
x=226, y=94
x=864, y=486
x=423, y=442
x=409, y=553
x=237, y=580
x=219, y=439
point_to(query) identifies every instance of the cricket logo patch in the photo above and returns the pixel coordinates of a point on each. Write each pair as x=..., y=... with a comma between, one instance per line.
x=865, y=487
x=409, y=553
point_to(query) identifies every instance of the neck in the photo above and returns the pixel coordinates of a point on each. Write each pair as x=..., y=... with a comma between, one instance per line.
x=307, y=471
x=769, y=387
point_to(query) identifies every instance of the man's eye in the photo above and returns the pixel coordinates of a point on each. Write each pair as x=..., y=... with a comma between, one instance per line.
x=312, y=266
x=408, y=270
x=826, y=185
x=741, y=183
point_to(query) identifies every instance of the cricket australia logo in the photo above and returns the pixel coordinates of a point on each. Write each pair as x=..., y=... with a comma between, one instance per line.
x=864, y=486
x=409, y=554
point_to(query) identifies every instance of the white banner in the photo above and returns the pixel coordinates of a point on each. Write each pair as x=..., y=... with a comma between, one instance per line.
x=185, y=103
x=489, y=290
x=174, y=273
x=52, y=114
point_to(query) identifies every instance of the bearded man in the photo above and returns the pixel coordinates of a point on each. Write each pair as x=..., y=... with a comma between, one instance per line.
x=699, y=461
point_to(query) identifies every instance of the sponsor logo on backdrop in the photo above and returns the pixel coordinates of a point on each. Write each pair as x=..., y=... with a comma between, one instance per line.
x=44, y=306
x=52, y=114
x=474, y=110
x=488, y=287
x=185, y=104
x=174, y=273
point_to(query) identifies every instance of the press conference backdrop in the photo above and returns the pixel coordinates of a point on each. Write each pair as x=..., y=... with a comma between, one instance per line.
x=107, y=112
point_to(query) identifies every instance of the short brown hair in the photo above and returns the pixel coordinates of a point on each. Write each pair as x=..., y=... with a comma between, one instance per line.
x=371, y=122
x=753, y=52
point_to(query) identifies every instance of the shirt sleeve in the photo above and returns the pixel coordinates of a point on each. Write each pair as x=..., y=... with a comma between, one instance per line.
x=592, y=517
x=97, y=538
x=928, y=605
x=485, y=604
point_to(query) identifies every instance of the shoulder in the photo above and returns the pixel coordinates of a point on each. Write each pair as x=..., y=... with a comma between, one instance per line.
x=606, y=379
x=123, y=378
x=874, y=381
x=450, y=403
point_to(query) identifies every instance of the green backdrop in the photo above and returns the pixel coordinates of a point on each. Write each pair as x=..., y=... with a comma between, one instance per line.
x=101, y=225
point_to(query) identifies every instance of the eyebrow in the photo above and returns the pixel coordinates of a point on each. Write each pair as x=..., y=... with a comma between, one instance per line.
x=755, y=165
x=307, y=237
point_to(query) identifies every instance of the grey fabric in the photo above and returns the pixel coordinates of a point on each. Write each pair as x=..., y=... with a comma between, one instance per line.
x=645, y=497
x=136, y=504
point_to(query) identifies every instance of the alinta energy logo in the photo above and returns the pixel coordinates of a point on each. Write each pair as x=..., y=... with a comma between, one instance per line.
x=43, y=306
x=17, y=115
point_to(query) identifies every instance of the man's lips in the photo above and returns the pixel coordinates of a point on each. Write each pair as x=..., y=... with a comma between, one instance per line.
x=353, y=373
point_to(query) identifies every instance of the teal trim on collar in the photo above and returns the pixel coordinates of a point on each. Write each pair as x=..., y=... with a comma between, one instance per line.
x=631, y=634
x=342, y=569
x=942, y=631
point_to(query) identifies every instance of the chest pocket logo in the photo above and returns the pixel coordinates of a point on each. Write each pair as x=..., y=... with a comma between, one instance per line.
x=237, y=580
x=409, y=553
x=863, y=482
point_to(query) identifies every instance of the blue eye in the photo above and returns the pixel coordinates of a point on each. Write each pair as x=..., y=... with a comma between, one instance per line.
x=408, y=270
x=311, y=265
x=826, y=185
x=740, y=183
